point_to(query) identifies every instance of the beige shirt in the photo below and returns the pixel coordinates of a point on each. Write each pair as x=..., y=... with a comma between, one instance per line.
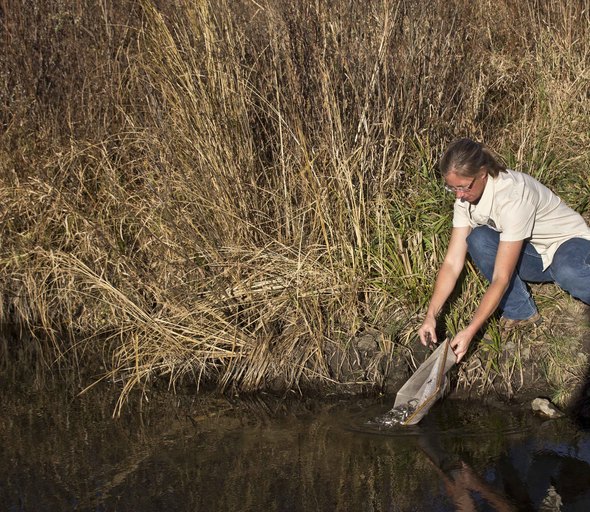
x=520, y=208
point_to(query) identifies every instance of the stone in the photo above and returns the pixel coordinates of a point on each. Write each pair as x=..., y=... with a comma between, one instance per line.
x=367, y=343
x=546, y=408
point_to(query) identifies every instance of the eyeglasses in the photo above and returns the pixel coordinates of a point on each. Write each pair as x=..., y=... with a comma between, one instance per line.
x=466, y=188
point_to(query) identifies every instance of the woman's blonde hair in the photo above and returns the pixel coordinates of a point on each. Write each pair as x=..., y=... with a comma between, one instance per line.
x=466, y=157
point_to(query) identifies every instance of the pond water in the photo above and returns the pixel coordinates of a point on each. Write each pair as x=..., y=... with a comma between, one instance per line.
x=207, y=453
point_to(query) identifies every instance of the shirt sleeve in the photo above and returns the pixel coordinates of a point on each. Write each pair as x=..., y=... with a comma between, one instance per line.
x=460, y=215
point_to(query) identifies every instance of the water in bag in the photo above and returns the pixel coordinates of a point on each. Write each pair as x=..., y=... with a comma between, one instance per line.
x=421, y=390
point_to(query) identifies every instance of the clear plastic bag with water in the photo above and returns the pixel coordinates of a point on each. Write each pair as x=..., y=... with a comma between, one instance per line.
x=422, y=389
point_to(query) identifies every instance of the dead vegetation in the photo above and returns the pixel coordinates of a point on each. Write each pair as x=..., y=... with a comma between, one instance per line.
x=226, y=192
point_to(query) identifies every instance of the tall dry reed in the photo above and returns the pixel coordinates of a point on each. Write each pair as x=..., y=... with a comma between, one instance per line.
x=228, y=192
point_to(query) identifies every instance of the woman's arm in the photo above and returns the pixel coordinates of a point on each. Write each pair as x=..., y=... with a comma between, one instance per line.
x=446, y=280
x=505, y=263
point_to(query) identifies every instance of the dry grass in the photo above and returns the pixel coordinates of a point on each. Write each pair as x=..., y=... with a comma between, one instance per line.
x=222, y=191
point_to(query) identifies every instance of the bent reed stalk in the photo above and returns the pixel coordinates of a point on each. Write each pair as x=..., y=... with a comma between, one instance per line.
x=229, y=192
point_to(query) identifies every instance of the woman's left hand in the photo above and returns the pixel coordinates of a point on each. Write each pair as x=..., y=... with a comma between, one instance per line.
x=460, y=344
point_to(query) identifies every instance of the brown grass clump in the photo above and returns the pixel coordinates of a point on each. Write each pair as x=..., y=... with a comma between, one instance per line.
x=227, y=191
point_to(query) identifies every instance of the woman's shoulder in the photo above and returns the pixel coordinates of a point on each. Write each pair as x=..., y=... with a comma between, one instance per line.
x=522, y=187
x=518, y=177
x=509, y=181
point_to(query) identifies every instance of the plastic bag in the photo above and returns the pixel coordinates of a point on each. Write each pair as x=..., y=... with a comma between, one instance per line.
x=424, y=387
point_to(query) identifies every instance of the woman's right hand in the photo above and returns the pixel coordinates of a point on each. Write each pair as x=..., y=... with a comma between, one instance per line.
x=427, y=332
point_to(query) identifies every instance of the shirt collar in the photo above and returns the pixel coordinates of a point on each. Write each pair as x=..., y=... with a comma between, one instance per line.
x=482, y=210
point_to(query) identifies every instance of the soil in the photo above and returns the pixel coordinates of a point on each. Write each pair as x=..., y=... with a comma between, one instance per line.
x=550, y=361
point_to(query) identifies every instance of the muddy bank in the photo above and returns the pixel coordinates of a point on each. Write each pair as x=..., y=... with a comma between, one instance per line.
x=550, y=361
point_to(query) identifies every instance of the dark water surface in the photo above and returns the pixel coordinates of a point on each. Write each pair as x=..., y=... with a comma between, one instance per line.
x=263, y=454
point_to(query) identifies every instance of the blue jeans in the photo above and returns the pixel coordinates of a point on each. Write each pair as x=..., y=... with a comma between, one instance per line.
x=570, y=269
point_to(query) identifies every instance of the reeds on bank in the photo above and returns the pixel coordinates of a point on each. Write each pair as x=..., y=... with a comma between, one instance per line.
x=229, y=192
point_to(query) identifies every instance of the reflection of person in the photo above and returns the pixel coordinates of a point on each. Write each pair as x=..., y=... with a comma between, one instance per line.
x=565, y=478
x=461, y=485
x=515, y=230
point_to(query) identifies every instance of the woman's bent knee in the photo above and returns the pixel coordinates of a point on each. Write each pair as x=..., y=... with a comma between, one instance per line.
x=571, y=268
x=482, y=237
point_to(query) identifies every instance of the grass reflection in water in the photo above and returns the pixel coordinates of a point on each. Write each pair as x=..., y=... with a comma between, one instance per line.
x=268, y=454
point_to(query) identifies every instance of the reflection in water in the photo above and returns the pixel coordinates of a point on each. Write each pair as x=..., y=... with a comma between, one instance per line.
x=462, y=484
x=547, y=470
x=213, y=454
